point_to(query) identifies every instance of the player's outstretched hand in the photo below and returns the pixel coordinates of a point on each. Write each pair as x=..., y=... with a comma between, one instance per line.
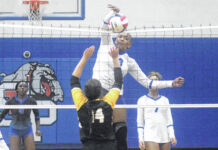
x=114, y=52
x=114, y=8
x=88, y=52
x=178, y=82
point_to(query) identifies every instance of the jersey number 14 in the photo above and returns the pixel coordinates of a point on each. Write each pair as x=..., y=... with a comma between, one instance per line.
x=98, y=115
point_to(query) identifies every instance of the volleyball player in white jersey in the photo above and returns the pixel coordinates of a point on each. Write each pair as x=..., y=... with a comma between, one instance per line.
x=155, y=125
x=103, y=71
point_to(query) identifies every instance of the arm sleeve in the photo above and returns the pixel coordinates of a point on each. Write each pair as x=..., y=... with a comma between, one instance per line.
x=118, y=77
x=77, y=94
x=106, y=38
x=74, y=82
x=136, y=72
x=140, y=122
x=170, y=127
x=35, y=111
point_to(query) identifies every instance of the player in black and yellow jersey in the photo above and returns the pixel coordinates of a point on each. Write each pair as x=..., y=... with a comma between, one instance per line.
x=95, y=114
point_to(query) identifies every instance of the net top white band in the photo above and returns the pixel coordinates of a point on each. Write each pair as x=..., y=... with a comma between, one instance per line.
x=102, y=31
x=117, y=106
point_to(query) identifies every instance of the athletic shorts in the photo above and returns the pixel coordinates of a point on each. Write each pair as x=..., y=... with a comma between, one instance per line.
x=21, y=133
x=104, y=145
x=121, y=99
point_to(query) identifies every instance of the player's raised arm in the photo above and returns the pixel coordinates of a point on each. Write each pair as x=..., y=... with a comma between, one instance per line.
x=106, y=38
x=114, y=10
x=117, y=70
x=77, y=94
x=80, y=66
x=114, y=93
x=114, y=52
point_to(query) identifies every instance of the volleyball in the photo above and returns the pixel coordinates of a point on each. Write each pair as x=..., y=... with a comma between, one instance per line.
x=118, y=23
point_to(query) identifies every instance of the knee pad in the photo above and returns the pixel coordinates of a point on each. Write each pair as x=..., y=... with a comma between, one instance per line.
x=120, y=129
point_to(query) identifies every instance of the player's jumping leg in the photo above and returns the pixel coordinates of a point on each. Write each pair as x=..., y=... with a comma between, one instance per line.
x=120, y=128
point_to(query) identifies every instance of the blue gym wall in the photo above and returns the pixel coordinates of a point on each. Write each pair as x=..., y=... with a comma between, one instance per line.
x=195, y=59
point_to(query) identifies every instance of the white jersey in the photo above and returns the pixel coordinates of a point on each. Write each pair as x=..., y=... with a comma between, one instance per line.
x=104, y=71
x=154, y=124
x=3, y=145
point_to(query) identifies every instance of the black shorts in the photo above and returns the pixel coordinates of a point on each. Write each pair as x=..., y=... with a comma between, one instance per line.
x=96, y=145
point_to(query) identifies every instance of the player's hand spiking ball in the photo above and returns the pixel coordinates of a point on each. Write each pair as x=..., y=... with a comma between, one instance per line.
x=114, y=8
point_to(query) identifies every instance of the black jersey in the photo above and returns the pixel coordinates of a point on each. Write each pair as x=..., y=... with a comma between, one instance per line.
x=95, y=116
x=21, y=117
x=95, y=119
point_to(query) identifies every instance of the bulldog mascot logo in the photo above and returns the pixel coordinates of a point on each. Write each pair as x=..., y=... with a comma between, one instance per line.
x=43, y=86
x=42, y=81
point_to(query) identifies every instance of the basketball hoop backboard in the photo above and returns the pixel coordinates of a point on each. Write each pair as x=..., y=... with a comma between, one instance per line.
x=54, y=10
x=35, y=9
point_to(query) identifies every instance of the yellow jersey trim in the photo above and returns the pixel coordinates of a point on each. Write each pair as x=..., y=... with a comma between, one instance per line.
x=80, y=99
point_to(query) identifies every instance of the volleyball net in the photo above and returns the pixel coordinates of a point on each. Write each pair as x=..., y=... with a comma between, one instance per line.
x=50, y=30
x=45, y=56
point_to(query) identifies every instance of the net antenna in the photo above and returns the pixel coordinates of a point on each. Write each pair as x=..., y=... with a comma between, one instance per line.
x=35, y=9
